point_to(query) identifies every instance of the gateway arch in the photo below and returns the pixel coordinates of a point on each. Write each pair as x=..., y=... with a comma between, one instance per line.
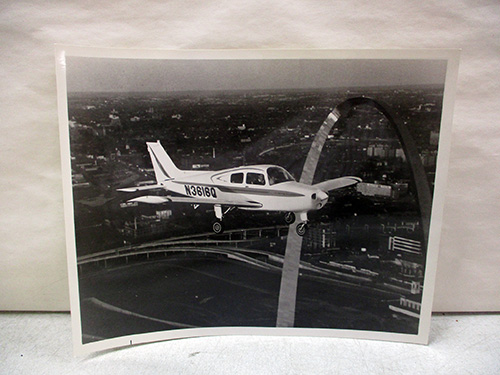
x=289, y=278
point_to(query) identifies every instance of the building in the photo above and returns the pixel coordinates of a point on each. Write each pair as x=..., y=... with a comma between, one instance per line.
x=380, y=150
x=402, y=244
x=145, y=226
x=374, y=190
x=321, y=238
x=434, y=138
x=407, y=307
x=428, y=158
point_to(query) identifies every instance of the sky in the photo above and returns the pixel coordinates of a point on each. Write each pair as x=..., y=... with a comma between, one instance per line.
x=91, y=74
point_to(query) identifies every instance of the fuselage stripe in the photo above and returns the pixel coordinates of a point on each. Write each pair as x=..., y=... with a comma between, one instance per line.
x=268, y=192
x=248, y=190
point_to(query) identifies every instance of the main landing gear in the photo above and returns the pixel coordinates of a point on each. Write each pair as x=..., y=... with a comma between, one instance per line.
x=289, y=217
x=218, y=225
x=301, y=227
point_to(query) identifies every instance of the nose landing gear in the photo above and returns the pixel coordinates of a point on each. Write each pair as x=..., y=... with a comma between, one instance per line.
x=301, y=229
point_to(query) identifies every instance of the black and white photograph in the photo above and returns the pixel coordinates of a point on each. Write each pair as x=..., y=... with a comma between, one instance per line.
x=269, y=192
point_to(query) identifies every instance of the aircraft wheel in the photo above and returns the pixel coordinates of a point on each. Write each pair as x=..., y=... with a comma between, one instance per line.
x=218, y=227
x=301, y=229
x=289, y=217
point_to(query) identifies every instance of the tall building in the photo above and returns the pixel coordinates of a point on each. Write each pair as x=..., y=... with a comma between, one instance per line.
x=320, y=238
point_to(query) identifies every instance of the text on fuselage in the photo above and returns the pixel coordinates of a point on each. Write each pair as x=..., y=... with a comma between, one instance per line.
x=200, y=191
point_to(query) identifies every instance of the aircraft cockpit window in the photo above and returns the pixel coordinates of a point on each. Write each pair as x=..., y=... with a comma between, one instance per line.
x=255, y=178
x=277, y=175
x=237, y=178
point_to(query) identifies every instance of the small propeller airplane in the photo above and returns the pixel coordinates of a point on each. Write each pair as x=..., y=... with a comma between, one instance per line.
x=253, y=187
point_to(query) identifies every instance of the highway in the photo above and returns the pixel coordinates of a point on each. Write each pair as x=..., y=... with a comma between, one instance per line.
x=172, y=285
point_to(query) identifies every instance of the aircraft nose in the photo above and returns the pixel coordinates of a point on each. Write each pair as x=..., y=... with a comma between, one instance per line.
x=321, y=198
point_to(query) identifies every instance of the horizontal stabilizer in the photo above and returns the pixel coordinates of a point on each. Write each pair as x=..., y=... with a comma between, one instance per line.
x=337, y=183
x=150, y=199
x=140, y=188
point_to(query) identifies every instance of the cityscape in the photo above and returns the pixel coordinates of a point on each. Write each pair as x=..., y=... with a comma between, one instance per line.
x=363, y=256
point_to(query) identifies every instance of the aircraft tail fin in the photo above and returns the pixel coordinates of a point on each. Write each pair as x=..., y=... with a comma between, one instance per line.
x=164, y=167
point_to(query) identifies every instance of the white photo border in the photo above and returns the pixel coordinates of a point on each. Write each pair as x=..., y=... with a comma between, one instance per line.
x=452, y=58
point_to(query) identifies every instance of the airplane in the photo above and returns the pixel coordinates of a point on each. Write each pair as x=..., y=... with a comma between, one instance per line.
x=253, y=187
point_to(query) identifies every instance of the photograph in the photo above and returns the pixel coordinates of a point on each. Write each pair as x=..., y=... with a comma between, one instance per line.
x=291, y=190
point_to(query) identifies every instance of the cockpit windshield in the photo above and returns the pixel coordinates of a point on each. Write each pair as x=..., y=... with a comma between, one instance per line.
x=277, y=175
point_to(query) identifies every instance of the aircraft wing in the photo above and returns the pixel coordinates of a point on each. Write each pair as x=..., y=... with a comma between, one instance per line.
x=155, y=199
x=337, y=183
